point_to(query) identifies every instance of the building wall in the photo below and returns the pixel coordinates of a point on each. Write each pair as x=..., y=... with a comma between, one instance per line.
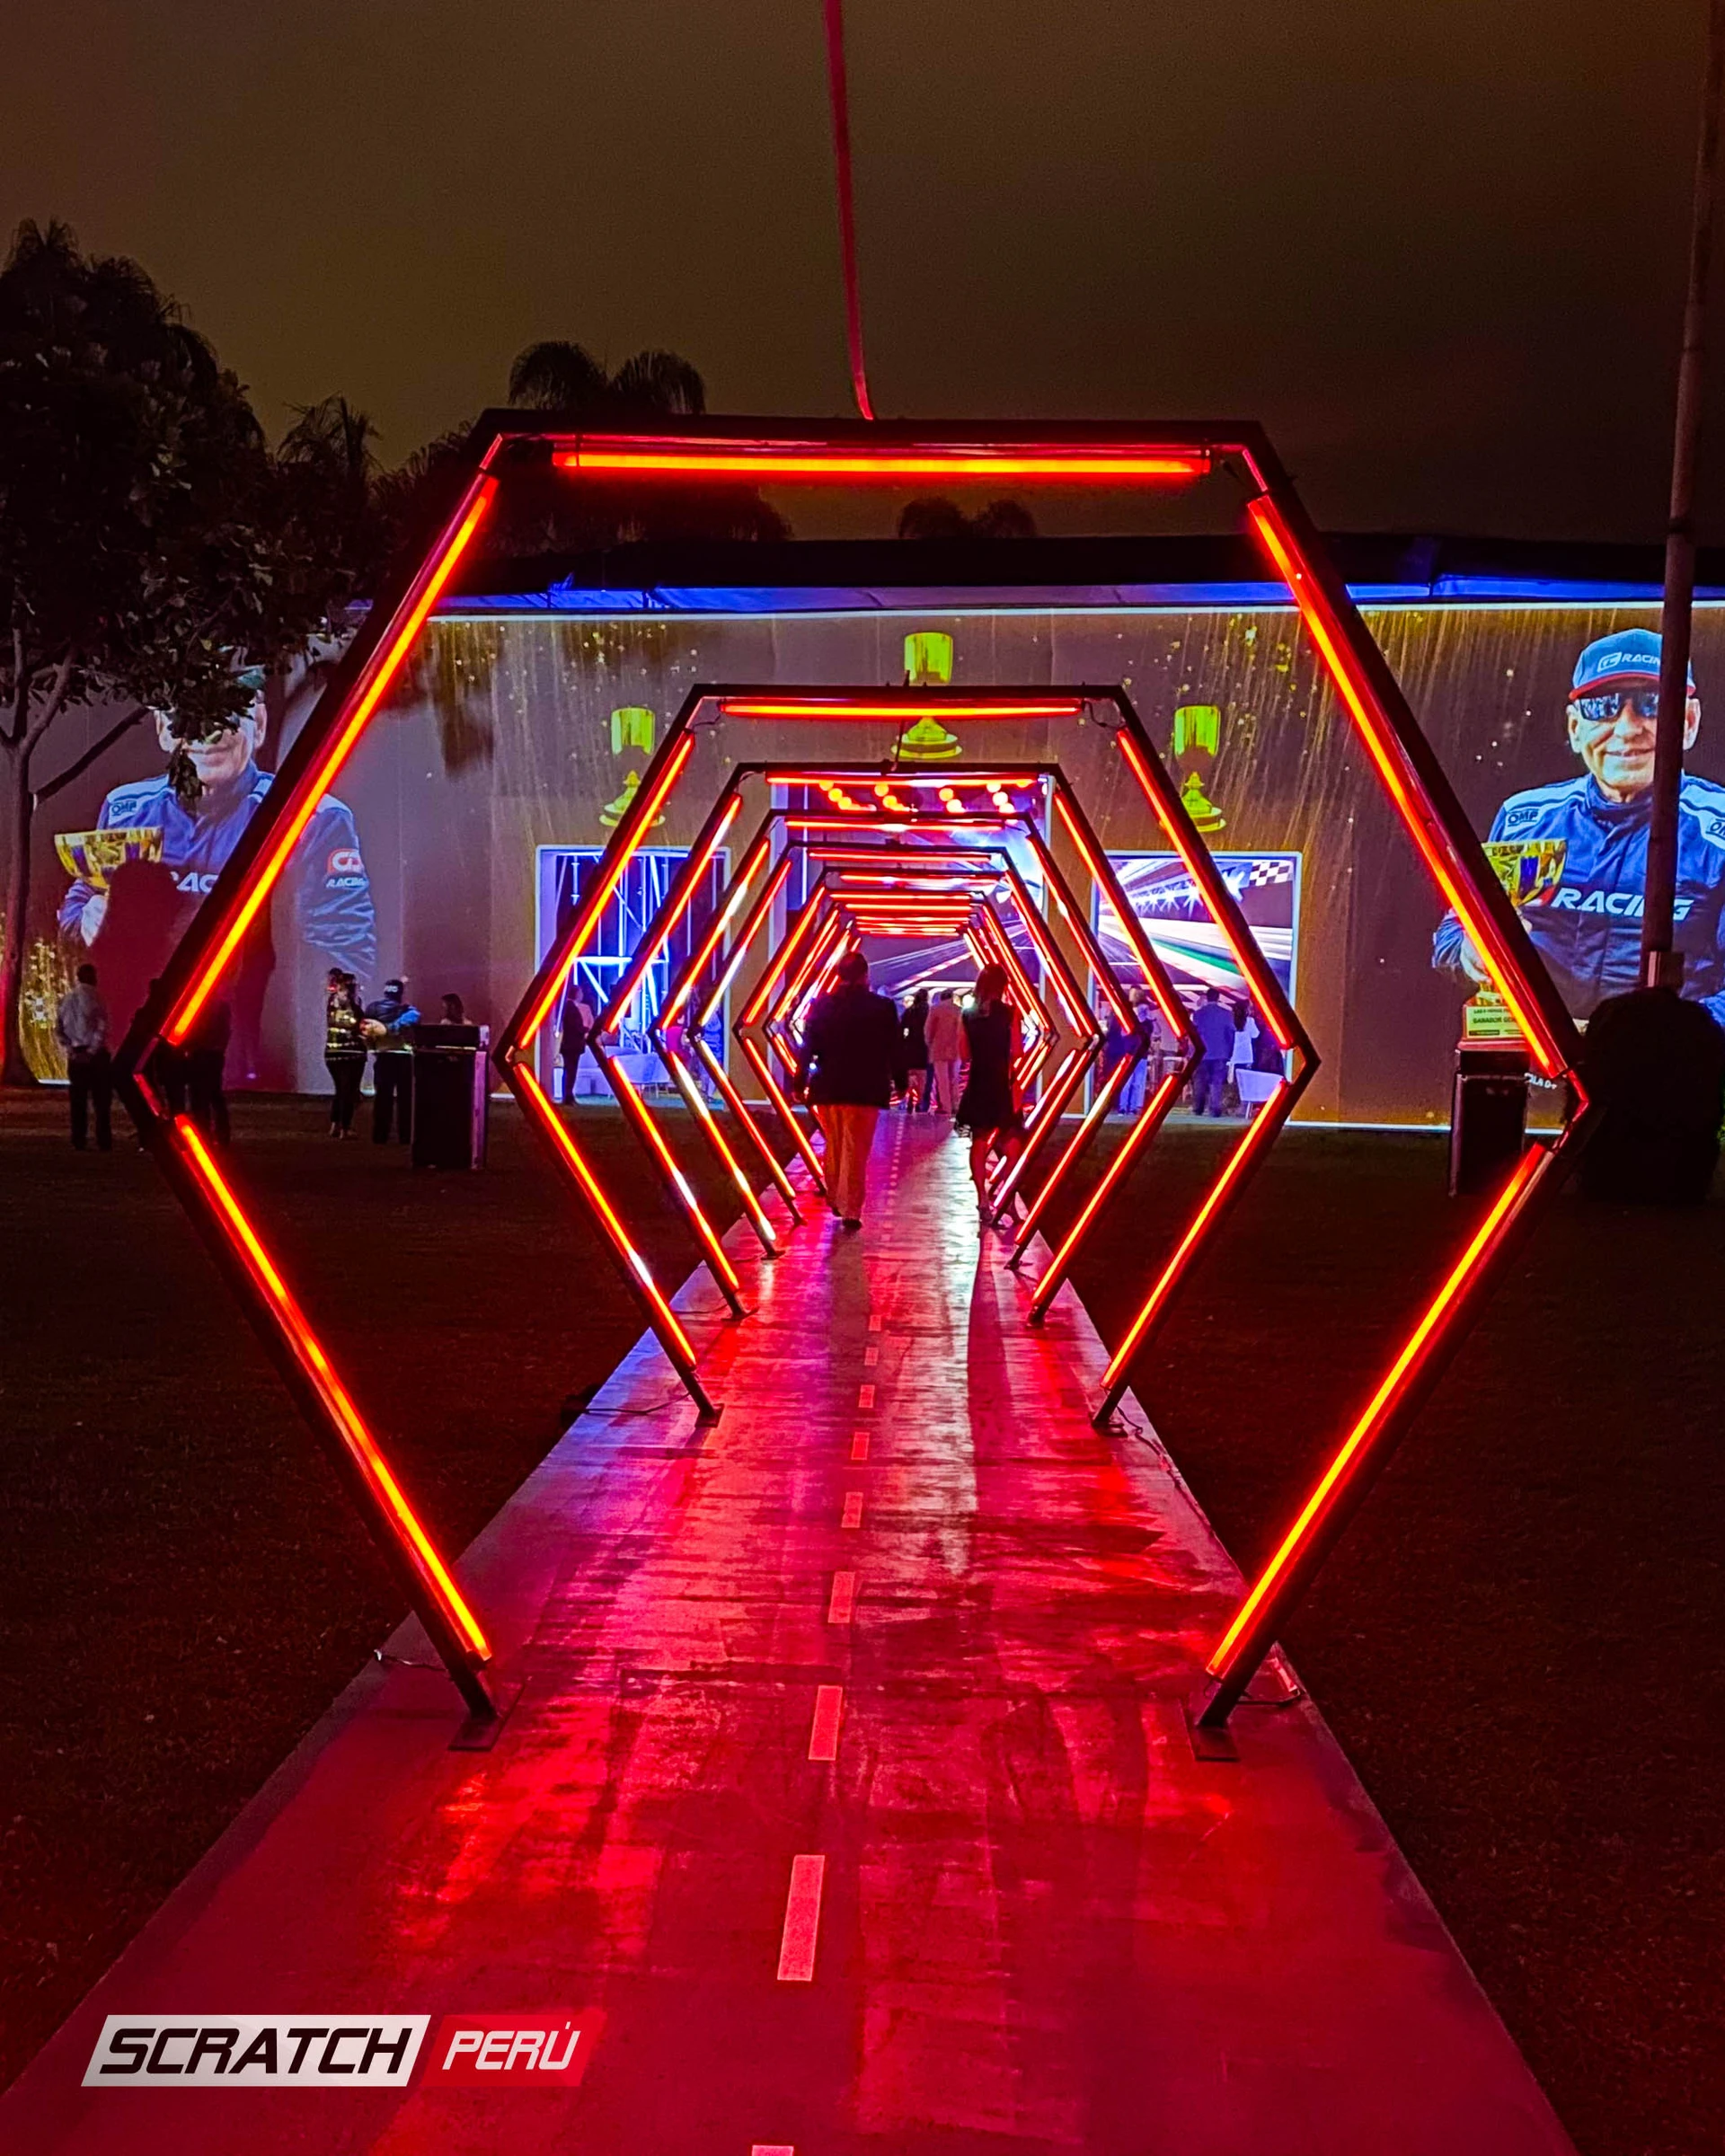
x=500, y=740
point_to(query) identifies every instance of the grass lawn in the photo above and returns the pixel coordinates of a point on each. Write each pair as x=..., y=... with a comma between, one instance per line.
x=186, y=1588
x=1519, y=1642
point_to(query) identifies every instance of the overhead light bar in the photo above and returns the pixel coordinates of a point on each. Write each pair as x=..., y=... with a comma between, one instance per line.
x=649, y=456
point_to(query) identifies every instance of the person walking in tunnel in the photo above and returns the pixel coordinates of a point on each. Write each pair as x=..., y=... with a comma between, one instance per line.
x=916, y=1030
x=854, y=1047
x=944, y=1033
x=989, y=1109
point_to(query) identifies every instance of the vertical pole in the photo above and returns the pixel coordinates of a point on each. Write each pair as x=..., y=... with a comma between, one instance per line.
x=1661, y=965
x=833, y=11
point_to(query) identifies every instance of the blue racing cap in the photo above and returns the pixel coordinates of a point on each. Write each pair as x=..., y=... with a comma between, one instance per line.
x=1626, y=655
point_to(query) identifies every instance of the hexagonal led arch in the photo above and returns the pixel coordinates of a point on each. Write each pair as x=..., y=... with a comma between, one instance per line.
x=1074, y=1065
x=815, y=936
x=1276, y=1010
x=866, y=909
x=693, y=452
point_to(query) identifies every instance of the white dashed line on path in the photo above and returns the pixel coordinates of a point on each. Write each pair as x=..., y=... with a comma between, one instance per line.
x=823, y=1732
x=802, y=1921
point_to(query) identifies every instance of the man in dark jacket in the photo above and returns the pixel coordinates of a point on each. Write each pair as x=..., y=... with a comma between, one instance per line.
x=392, y=1070
x=856, y=1046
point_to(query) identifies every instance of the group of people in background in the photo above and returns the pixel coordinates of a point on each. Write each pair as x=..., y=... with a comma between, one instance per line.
x=1229, y=1033
x=859, y=1051
x=188, y=1079
x=380, y=1029
x=934, y=1052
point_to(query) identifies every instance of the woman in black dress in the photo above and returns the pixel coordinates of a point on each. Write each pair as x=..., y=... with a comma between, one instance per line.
x=988, y=1109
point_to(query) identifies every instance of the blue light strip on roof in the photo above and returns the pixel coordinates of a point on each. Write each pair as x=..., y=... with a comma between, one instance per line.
x=808, y=598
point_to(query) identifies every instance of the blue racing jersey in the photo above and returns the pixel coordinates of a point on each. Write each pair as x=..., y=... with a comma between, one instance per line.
x=332, y=900
x=1587, y=928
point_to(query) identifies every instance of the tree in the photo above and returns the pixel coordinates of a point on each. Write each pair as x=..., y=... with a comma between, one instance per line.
x=651, y=386
x=933, y=517
x=149, y=543
x=543, y=513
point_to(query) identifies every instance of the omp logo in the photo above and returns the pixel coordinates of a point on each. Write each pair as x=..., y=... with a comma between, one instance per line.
x=256, y=2051
x=545, y=2051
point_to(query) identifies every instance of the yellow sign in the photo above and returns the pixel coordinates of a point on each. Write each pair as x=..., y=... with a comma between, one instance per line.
x=1485, y=1016
x=928, y=659
x=631, y=727
x=1198, y=727
x=1205, y=814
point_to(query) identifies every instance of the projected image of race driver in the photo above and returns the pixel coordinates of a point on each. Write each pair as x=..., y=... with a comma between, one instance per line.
x=331, y=890
x=1586, y=921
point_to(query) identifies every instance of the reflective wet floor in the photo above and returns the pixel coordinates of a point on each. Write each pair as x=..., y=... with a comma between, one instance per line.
x=847, y=1803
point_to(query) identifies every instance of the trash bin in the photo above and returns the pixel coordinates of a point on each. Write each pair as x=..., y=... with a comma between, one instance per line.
x=451, y=1094
x=1488, y=1114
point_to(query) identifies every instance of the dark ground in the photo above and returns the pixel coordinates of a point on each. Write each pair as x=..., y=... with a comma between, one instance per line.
x=1519, y=1642
x=184, y=1586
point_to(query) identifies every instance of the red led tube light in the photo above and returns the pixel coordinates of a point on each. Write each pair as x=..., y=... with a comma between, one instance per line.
x=686, y=1084
x=1491, y=928
x=254, y=880
x=242, y=891
x=766, y=462
x=681, y=896
x=712, y=1250
x=668, y=1325
x=1144, y=1126
x=437, y=1582
x=1364, y=1451
x=1422, y=798
x=1164, y=798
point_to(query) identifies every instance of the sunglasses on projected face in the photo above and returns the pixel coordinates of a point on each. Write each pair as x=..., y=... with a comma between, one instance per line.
x=1602, y=711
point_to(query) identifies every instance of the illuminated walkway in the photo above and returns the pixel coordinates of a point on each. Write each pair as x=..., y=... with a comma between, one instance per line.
x=850, y=1782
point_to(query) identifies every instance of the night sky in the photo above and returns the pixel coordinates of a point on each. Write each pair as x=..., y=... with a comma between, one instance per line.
x=1437, y=248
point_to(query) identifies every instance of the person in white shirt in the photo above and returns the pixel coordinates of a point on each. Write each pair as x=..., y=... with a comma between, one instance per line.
x=943, y=1031
x=81, y=1028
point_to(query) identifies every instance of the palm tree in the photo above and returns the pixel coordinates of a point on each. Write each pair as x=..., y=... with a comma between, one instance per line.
x=933, y=517
x=555, y=375
x=559, y=376
x=551, y=518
